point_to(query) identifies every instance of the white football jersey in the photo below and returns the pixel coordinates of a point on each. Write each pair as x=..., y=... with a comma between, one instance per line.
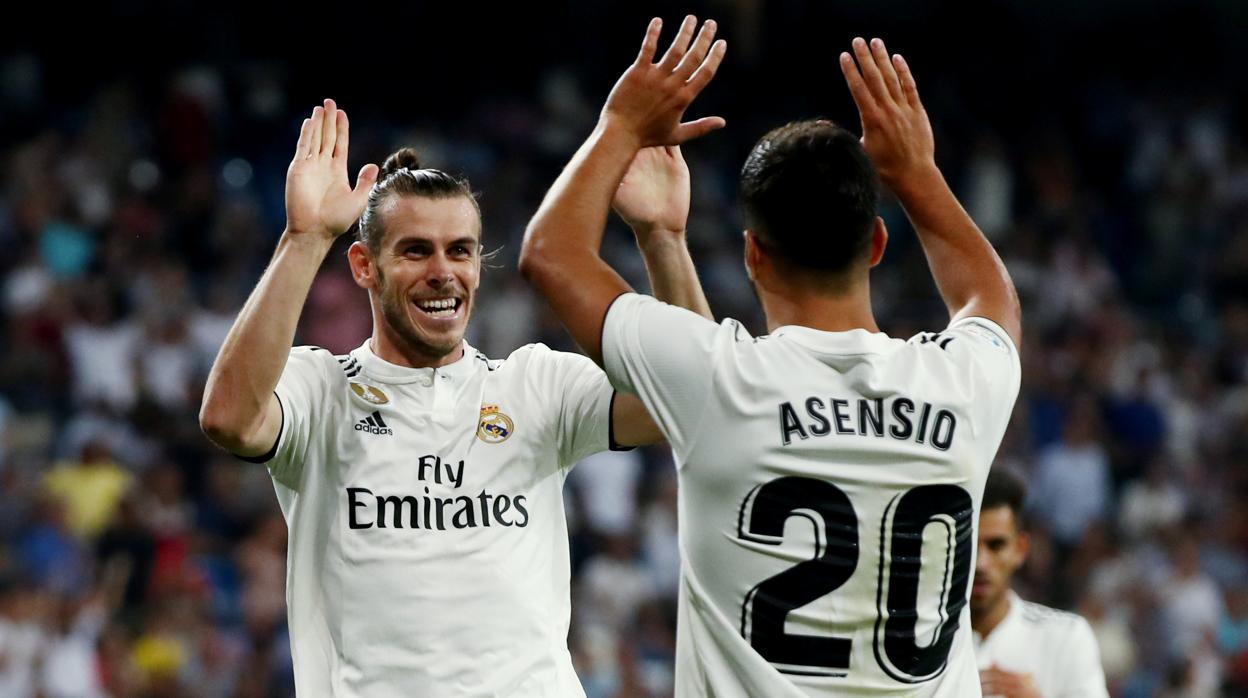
x=829, y=494
x=428, y=551
x=1058, y=650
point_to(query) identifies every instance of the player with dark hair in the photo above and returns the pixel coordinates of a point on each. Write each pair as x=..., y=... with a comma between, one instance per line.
x=829, y=474
x=421, y=481
x=1024, y=650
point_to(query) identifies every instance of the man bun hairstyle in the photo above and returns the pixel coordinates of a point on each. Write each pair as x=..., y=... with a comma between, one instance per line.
x=402, y=175
x=810, y=194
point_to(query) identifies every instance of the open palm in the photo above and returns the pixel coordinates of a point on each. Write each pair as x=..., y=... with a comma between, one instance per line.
x=319, y=197
x=654, y=194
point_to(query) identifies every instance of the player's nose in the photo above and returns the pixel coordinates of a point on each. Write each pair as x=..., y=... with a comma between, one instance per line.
x=438, y=272
x=981, y=560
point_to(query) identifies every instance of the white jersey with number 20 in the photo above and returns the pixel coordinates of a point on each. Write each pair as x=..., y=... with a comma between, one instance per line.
x=829, y=494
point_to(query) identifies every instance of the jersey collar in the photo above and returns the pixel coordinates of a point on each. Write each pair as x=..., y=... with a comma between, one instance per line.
x=1013, y=616
x=383, y=370
x=858, y=341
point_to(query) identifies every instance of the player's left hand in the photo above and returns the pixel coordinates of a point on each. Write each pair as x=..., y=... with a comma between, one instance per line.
x=650, y=98
x=653, y=198
x=995, y=681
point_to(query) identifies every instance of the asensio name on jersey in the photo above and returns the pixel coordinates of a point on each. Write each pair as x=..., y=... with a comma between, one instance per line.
x=829, y=484
x=428, y=547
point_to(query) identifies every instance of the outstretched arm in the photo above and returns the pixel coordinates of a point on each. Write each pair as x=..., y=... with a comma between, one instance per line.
x=239, y=411
x=560, y=256
x=653, y=200
x=897, y=135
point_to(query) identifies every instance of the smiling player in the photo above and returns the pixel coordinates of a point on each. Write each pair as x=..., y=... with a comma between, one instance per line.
x=421, y=482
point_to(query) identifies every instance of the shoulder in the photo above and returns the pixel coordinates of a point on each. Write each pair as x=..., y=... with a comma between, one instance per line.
x=1053, y=623
x=538, y=354
x=970, y=333
x=538, y=368
x=637, y=311
x=311, y=366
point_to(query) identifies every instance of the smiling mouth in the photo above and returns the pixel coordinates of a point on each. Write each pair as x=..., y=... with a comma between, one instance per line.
x=439, y=307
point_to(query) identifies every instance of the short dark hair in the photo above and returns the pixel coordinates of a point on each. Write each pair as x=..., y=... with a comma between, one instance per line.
x=811, y=195
x=402, y=175
x=1005, y=488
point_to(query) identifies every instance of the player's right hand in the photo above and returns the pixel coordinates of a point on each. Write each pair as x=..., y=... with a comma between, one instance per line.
x=995, y=681
x=319, y=198
x=896, y=132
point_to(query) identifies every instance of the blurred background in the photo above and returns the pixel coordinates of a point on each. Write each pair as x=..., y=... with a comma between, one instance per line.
x=143, y=147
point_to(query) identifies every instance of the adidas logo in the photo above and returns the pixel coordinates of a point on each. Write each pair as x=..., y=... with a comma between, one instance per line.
x=374, y=424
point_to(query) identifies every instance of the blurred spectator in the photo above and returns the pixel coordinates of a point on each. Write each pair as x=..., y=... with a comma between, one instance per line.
x=1153, y=503
x=1071, y=489
x=89, y=488
x=1192, y=608
x=102, y=348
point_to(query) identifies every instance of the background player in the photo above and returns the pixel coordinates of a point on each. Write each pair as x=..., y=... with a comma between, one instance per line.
x=1024, y=649
x=421, y=482
x=829, y=474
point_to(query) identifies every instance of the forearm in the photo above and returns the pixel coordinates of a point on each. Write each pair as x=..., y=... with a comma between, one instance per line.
x=576, y=206
x=969, y=274
x=253, y=356
x=673, y=277
x=561, y=251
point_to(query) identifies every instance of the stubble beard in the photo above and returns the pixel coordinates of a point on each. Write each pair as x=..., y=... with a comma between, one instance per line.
x=395, y=313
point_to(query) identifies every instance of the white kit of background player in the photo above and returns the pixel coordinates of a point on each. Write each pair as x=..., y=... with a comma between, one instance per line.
x=829, y=475
x=428, y=551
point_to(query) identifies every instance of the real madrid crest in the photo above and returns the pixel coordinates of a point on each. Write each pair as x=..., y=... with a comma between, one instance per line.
x=369, y=394
x=494, y=427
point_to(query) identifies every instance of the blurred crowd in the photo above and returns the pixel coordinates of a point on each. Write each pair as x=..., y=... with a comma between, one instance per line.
x=137, y=560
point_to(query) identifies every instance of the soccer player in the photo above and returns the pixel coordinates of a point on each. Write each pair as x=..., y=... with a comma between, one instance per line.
x=421, y=482
x=829, y=474
x=1024, y=650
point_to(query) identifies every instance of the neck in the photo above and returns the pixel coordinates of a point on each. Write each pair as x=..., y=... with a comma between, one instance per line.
x=395, y=350
x=794, y=305
x=984, y=623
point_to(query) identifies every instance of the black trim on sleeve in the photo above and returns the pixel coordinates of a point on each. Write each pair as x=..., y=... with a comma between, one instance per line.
x=612, y=444
x=268, y=456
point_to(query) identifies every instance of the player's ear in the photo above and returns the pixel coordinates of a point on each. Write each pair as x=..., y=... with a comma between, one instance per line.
x=752, y=254
x=362, y=268
x=879, y=240
x=1024, y=546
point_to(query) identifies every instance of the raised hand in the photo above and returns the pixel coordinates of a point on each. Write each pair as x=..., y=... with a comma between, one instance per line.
x=650, y=98
x=319, y=197
x=896, y=132
x=654, y=196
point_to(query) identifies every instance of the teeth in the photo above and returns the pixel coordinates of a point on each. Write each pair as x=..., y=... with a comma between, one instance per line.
x=438, y=307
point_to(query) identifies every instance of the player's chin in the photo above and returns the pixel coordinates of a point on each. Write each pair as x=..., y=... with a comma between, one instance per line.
x=441, y=335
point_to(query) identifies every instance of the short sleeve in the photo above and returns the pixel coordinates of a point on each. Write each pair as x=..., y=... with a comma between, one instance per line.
x=302, y=392
x=1085, y=677
x=666, y=356
x=584, y=421
x=983, y=352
